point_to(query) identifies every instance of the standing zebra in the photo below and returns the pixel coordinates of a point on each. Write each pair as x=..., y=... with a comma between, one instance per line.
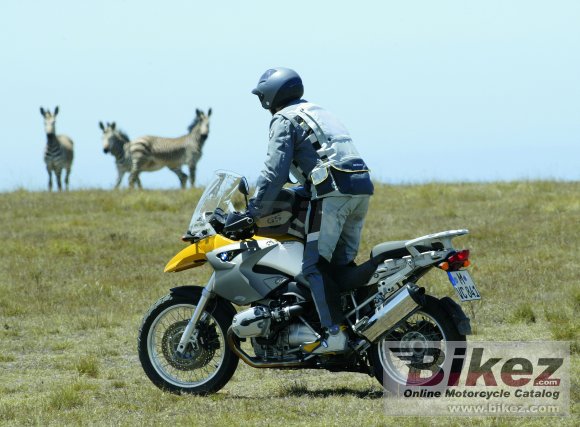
x=116, y=142
x=150, y=153
x=58, y=154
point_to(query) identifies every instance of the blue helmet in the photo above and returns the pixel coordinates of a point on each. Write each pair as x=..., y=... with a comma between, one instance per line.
x=277, y=87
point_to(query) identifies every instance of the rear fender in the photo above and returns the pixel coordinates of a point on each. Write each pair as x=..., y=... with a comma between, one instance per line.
x=458, y=316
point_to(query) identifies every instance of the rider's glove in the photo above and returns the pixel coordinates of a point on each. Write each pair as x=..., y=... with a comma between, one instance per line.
x=239, y=225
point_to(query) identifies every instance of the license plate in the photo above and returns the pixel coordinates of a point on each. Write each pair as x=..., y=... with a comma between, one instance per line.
x=464, y=286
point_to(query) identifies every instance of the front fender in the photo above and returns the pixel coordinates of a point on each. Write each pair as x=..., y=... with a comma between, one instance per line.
x=195, y=254
x=193, y=293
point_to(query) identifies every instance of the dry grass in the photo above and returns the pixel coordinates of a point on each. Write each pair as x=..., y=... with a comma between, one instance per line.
x=78, y=271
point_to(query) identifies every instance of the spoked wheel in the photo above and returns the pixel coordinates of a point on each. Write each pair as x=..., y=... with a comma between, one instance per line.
x=414, y=352
x=207, y=363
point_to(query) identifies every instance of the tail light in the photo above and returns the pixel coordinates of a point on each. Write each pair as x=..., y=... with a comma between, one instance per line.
x=456, y=261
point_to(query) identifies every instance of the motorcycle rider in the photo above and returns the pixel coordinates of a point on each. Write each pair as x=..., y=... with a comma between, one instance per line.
x=309, y=142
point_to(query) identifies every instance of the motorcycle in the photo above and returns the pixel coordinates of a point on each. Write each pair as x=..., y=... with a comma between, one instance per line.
x=191, y=340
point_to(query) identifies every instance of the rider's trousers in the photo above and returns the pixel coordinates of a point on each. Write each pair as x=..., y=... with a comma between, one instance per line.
x=334, y=226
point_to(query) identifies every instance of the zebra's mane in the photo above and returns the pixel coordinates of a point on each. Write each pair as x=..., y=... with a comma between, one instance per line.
x=123, y=136
x=193, y=124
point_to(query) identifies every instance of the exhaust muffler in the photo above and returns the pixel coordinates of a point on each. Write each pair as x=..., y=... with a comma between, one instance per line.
x=399, y=307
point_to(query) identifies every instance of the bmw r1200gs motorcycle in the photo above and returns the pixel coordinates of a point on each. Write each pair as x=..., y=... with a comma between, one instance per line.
x=192, y=339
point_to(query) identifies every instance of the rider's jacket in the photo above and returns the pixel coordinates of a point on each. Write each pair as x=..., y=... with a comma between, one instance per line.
x=310, y=142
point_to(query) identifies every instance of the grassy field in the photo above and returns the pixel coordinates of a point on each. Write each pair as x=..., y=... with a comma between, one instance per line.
x=78, y=271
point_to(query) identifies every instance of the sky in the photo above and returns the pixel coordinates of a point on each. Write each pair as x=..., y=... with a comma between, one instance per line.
x=430, y=90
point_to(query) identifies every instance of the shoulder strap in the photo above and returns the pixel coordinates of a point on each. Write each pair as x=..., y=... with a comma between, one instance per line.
x=314, y=134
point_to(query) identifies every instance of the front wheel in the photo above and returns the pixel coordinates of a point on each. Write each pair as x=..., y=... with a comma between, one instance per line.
x=412, y=353
x=207, y=363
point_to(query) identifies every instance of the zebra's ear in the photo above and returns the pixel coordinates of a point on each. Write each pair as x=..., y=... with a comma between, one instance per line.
x=197, y=112
x=102, y=126
x=56, y=111
x=209, y=112
x=42, y=111
x=113, y=125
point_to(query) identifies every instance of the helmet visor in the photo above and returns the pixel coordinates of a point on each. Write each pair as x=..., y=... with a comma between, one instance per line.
x=259, y=94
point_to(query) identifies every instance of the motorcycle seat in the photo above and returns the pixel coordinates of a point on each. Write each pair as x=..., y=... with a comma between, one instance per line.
x=386, y=248
x=350, y=277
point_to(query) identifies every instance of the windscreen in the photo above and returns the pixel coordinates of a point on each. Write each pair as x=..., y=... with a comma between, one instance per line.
x=222, y=192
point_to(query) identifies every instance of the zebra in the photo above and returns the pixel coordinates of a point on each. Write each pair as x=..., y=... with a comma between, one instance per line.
x=150, y=153
x=58, y=153
x=116, y=142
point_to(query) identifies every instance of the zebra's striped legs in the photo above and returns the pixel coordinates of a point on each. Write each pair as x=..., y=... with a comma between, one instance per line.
x=58, y=174
x=66, y=178
x=181, y=175
x=134, y=179
x=120, y=175
x=192, y=175
x=135, y=169
x=49, y=178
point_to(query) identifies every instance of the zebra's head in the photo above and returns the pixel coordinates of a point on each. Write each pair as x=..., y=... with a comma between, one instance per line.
x=49, y=120
x=113, y=139
x=201, y=123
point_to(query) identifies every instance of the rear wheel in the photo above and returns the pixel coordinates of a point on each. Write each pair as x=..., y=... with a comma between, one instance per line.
x=207, y=363
x=412, y=354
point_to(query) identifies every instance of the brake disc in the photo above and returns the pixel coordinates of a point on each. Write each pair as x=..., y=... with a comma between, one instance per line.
x=196, y=355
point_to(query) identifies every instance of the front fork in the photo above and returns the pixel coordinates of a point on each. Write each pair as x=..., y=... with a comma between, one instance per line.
x=190, y=329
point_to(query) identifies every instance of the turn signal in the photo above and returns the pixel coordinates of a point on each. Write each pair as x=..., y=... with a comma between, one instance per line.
x=444, y=266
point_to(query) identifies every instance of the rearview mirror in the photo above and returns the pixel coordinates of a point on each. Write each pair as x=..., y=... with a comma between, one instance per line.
x=243, y=186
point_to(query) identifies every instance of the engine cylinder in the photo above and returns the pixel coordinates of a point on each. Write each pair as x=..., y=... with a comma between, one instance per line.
x=254, y=322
